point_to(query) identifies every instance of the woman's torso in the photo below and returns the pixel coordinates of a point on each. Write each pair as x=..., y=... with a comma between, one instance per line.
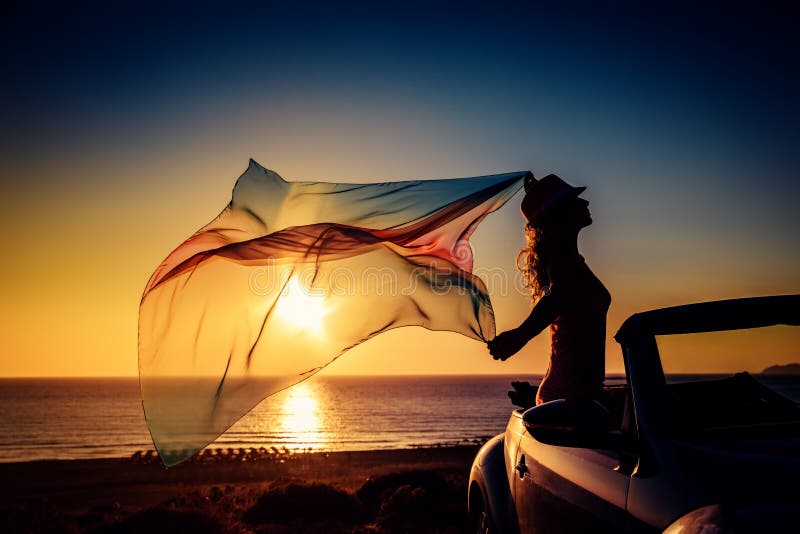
x=578, y=337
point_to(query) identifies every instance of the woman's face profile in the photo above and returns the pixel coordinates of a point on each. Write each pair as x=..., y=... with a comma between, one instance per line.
x=582, y=216
x=573, y=213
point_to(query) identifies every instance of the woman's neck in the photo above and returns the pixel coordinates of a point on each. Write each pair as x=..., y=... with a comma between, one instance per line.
x=566, y=248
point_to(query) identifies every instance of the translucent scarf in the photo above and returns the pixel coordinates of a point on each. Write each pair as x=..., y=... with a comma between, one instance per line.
x=293, y=274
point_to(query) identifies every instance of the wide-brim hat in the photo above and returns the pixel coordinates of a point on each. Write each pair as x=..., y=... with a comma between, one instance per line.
x=542, y=194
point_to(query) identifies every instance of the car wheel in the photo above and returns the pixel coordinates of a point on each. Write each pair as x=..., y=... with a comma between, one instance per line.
x=481, y=520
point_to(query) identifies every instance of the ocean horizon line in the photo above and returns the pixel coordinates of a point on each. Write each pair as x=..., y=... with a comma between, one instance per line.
x=390, y=375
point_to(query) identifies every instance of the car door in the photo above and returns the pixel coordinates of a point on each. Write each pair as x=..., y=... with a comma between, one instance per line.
x=567, y=489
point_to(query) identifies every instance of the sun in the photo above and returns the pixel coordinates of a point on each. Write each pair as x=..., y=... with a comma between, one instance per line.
x=301, y=308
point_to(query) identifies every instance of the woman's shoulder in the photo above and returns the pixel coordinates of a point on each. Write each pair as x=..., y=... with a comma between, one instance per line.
x=575, y=280
x=566, y=269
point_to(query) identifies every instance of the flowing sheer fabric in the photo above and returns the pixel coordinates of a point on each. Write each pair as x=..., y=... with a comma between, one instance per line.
x=290, y=276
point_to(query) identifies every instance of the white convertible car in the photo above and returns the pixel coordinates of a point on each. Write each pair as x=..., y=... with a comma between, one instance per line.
x=661, y=452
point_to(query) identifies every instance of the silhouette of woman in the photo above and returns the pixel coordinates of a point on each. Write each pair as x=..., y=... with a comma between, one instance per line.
x=569, y=297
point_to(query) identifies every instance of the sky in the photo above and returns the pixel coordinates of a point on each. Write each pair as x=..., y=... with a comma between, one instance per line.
x=122, y=132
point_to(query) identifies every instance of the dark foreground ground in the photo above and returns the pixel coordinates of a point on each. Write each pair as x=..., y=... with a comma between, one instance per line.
x=414, y=490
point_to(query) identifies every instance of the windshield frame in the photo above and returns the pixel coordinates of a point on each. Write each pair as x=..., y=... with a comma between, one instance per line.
x=642, y=359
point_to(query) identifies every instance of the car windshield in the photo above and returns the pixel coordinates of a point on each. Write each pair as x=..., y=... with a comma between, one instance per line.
x=733, y=381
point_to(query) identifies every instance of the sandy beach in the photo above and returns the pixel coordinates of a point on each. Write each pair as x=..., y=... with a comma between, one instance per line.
x=409, y=490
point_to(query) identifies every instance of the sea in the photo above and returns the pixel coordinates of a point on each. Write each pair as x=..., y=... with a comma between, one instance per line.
x=80, y=418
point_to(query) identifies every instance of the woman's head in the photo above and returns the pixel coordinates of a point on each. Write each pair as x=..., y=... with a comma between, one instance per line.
x=568, y=215
x=553, y=199
x=555, y=215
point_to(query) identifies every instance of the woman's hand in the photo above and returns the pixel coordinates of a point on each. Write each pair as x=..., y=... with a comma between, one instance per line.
x=505, y=345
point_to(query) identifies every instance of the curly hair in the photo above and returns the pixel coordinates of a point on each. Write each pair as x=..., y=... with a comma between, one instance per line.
x=532, y=261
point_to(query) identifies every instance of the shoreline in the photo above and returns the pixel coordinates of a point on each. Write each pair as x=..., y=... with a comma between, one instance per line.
x=108, y=492
x=255, y=453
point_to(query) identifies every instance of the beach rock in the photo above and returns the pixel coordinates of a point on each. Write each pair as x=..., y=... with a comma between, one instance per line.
x=35, y=516
x=375, y=490
x=407, y=504
x=306, y=502
x=163, y=520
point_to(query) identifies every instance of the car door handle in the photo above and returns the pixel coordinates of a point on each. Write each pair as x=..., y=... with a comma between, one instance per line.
x=521, y=467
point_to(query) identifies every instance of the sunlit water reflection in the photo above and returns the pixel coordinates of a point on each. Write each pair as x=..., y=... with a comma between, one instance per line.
x=91, y=418
x=300, y=420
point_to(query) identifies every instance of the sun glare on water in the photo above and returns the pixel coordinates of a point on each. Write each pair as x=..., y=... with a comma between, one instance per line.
x=301, y=308
x=300, y=420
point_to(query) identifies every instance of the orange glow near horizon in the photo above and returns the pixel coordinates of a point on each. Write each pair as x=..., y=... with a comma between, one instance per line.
x=722, y=352
x=71, y=302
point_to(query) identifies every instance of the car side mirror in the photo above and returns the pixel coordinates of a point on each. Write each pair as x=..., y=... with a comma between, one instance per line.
x=569, y=423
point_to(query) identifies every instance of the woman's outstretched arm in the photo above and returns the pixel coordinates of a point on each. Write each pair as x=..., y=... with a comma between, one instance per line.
x=545, y=312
